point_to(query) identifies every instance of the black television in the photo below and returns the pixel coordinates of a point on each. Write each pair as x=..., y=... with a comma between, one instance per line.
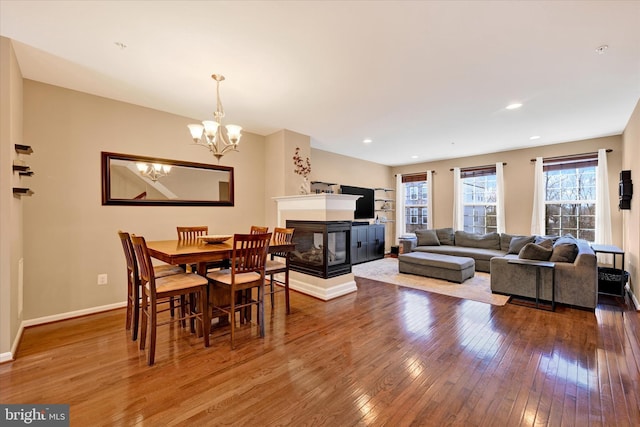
x=365, y=205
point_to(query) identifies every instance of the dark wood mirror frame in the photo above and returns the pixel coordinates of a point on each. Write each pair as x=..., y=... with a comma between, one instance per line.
x=206, y=193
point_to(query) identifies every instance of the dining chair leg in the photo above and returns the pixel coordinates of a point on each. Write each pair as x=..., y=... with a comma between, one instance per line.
x=129, y=317
x=204, y=315
x=152, y=333
x=172, y=308
x=136, y=315
x=271, y=289
x=232, y=318
x=144, y=321
x=286, y=290
x=260, y=308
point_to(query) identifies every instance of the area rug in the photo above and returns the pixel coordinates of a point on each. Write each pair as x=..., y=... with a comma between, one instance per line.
x=386, y=270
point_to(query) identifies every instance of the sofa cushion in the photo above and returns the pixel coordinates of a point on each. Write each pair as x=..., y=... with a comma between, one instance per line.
x=535, y=252
x=518, y=242
x=427, y=238
x=564, y=252
x=445, y=236
x=484, y=241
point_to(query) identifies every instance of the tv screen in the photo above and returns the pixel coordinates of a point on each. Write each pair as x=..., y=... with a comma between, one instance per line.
x=365, y=205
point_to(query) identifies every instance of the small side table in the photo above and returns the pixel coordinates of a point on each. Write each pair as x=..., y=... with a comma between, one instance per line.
x=614, y=250
x=539, y=266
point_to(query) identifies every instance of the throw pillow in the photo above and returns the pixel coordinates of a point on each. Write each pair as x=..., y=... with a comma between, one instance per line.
x=427, y=238
x=445, y=236
x=518, y=243
x=540, y=239
x=565, y=252
x=547, y=243
x=483, y=241
x=505, y=240
x=535, y=252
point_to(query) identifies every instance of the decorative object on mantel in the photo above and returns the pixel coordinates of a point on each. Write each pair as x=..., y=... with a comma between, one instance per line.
x=302, y=168
x=153, y=171
x=210, y=133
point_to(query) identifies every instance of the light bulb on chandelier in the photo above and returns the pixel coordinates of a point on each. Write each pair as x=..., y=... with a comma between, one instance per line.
x=211, y=134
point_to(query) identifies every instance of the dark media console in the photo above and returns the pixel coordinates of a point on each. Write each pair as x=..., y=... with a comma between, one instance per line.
x=367, y=242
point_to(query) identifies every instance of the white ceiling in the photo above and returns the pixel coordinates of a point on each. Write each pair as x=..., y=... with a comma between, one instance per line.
x=420, y=78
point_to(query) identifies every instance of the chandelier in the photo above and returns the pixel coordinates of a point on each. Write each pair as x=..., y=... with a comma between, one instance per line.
x=153, y=171
x=211, y=134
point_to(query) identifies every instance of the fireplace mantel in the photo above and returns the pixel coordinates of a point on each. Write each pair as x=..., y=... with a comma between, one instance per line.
x=324, y=201
x=316, y=207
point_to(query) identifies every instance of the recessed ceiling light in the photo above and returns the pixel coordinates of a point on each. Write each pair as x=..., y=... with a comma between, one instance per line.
x=513, y=106
x=601, y=49
x=414, y=157
x=534, y=137
x=367, y=141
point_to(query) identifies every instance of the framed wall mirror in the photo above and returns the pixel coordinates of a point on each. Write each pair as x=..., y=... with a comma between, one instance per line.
x=149, y=181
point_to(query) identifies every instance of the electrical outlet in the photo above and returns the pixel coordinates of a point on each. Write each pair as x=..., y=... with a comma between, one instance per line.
x=102, y=279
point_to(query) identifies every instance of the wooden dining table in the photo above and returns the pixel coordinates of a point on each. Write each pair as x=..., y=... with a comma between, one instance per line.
x=187, y=252
x=197, y=252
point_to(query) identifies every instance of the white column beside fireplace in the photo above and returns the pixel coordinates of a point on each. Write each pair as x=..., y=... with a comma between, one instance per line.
x=318, y=207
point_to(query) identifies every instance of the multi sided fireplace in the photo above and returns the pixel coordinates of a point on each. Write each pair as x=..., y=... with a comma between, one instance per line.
x=322, y=248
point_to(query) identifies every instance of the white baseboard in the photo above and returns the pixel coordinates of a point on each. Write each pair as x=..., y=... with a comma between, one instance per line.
x=9, y=356
x=72, y=314
x=633, y=298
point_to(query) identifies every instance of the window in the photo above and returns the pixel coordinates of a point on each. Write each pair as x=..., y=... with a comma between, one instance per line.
x=415, y=202
x=570, y=196
x=479, y=199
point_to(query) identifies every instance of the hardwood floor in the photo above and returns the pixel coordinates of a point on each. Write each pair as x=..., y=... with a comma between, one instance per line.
x=381, y=356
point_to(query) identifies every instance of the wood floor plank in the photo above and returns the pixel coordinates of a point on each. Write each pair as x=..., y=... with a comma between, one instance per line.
x=383, y=355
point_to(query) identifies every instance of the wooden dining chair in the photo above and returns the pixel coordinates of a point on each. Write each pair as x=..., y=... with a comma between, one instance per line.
x=133, y=282
x=247, y=271
x=256, y=229
x=278, y=264
x=192, y=233
x=155, y=289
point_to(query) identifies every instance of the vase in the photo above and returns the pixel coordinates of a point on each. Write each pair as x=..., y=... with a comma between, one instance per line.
x=305, y=187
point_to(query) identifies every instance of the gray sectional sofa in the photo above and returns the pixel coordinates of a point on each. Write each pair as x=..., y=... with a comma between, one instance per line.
x=576, y=272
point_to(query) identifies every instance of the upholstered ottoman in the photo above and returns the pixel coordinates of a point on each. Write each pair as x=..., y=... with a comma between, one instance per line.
x=447, y=267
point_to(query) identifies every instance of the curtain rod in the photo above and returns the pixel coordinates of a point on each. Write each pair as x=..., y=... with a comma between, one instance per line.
x=474, y=168
x=571, y=156
x=414, y=174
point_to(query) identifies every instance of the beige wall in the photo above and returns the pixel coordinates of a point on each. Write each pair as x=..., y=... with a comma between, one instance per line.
x=518, y=177
x=631, y=218
x=11, y=227
x=70, y=237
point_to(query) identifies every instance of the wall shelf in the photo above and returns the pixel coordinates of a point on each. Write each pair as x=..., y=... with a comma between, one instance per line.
x=22, y=191
x=23, y=149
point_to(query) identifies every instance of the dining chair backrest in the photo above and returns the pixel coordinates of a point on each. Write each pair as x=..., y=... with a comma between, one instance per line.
x=255, y=229
x=250, y=253
x=130, y=256
x=191, y=233
x=144, y=262
x=282, y=235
